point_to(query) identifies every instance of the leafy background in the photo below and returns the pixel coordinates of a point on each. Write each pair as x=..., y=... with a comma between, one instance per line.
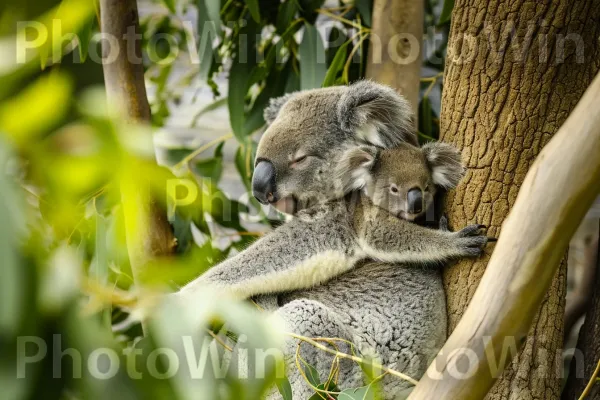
x=69, y=160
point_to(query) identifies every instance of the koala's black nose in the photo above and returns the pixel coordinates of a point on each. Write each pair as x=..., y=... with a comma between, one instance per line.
x=263, y=183
x=415, y=200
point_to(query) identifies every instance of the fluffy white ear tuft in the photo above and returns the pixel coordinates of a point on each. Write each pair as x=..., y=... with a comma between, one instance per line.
x=353, y=171
x=272, y=110
x=376, y=114
x=446, y=166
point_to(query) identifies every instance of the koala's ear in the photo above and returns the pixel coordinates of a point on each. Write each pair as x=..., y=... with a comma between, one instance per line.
x=354, y=168
x=272, y=110
x=376, y=114
x=446, y=166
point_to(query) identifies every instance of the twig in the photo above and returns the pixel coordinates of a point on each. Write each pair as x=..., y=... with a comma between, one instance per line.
x=354, y=50
x=353, y=358
x=219, y=340
x=344, y=20
x=201, y=149
x=433, y=81
x=210, y=107
x=591, y=382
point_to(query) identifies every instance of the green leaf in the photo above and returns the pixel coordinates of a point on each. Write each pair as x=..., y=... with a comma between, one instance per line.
x=244, y=159
x=208, y=108
x=286, y=14
x=36, y=109
x=337, y=38
x=85, y=37
x=211, y=167
x=11, y=273
x=239, y=76
x=308, y=9
x=285, y=389
x=313, y=66
x=362, y=393
x=426, y=117
x=209, y=28
x=312, y=374
x=274, y=87
x=446, y=12
x=170, y=4
x=254, y=9
x=240, y=80
x=336, y=65
x=365, y=8
x=329, y=386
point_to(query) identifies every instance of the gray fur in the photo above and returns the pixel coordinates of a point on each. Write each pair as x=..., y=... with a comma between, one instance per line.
x=367, y=102
x=406, y=167
x=272, y=110
x=392, y=311
x=321, y=123
x=404, y=325
x=444, y=160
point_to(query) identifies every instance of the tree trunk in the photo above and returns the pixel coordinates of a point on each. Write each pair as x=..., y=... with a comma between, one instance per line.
x=504, y=97
x=149, y=234
x=395, y=47
x=588, y=345
x=534, y=238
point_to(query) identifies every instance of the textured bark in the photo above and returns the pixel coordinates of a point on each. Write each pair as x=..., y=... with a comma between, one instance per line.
x=395, y=50
x=504, y=97
x=589, y=345
x=149, y=234
x=531, y=246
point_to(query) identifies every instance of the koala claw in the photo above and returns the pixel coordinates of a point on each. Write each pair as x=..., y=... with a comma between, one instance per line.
x=471, y=230
x=473, y=245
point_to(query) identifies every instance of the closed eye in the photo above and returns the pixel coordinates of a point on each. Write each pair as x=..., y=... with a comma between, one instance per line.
x=298, y=161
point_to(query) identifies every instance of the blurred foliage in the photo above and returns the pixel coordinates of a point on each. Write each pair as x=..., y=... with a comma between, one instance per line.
x=67, y=159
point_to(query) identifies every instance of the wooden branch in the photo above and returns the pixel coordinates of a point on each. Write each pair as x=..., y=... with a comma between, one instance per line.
x=124, y=77
x=395, y=46
x=149, y=234
x=557, y=192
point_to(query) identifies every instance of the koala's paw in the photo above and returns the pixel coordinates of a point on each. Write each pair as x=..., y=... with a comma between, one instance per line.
x=471, y=240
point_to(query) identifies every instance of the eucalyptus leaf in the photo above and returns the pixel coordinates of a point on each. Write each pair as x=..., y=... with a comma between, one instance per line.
x=211, y=167
x=240, y=79
x=170, y=4
x=362, y=393
x=426, y=117
x=254, y=9
x=286, y=14
x=365, y=8
x=336, y=65
x=313, y=67
x=11, y=276
x=209, y=29
x=285, y=389
x=446, y=13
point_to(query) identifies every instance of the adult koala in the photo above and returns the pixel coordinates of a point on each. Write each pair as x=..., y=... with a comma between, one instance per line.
x=392, y=312
x=307, y=132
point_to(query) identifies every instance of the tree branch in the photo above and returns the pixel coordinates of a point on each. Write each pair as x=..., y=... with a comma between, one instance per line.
x=395, y=46
x=149, y=233
x=557, y=192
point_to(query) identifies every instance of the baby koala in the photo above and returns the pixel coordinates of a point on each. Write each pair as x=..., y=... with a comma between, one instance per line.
x=403, y=180
x=402, y=183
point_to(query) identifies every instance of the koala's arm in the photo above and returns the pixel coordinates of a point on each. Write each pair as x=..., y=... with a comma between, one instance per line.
x=388, y=238
x=297, y=255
